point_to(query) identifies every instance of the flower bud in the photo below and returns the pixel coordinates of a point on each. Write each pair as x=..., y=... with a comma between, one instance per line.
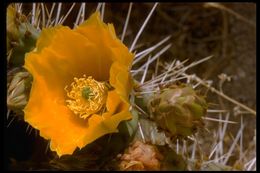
x=18, y=91
x=178, y=110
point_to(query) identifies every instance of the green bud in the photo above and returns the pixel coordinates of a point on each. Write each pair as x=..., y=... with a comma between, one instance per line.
x=178, y=110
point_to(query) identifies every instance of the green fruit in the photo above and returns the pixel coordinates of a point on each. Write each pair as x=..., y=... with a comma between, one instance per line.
x=178, y=110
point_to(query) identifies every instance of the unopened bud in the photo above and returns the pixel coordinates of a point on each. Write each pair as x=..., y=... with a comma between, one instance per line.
x=178, y=110
x=18, y=91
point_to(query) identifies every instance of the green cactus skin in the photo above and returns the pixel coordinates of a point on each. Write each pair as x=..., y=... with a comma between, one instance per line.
x=178, y=110
x=21, y=37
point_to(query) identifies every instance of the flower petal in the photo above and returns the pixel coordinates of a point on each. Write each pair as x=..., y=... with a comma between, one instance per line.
x=120, y=79
x=53, y=119
x=104, y=126
x=113, y=101
x=46, y=37
x=62, y=54
x=104, y=35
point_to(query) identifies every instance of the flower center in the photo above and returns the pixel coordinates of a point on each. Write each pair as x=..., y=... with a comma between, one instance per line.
x=87, y=96
x=87, y=93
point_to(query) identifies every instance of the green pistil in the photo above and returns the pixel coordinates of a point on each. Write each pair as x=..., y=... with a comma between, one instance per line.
x=87, y=93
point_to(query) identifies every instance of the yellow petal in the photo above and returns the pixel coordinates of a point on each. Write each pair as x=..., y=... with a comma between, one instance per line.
x=104, y=35
x=47, y=112
x=46, y=37
x=120, y=78
x=104, y=126
x=62, y=54
x=113, y=101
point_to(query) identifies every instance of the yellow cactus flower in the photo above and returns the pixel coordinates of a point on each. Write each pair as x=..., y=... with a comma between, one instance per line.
x=70, y=103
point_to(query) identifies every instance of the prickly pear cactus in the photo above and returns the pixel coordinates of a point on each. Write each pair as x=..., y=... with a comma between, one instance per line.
x=178, y=110
x=21, y=37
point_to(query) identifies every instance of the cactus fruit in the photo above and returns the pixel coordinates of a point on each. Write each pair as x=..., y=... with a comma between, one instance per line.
x=178, y=110
x=21, y=37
